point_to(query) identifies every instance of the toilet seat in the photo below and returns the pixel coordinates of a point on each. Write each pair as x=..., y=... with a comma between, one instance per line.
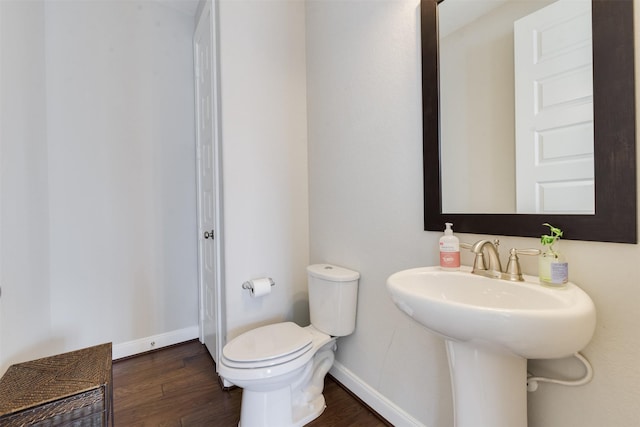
x=267, y=346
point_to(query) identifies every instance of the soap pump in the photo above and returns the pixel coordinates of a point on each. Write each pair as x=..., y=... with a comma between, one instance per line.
x=449, y=249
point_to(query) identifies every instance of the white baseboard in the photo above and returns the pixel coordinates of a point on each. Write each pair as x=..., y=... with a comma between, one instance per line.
x=383, y=406
x=141, y=345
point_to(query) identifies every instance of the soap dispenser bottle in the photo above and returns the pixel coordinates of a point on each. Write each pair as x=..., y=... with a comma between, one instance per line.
x=449, y=250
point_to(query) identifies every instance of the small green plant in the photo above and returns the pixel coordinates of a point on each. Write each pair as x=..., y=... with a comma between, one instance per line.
x=549, y=240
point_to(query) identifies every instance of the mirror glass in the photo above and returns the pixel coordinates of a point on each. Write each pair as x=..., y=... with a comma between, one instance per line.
x=529, y=117
x=516, y=106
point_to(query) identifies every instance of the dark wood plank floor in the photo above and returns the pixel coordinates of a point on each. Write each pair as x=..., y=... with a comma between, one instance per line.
x=178, y=386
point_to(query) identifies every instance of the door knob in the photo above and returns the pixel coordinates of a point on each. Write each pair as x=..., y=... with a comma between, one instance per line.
x=208, y=234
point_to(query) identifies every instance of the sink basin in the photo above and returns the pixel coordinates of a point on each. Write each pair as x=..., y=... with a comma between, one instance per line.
x=491, y=327
x=532, y=321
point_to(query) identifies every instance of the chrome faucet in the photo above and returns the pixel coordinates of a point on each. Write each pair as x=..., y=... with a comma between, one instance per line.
x=494, y=268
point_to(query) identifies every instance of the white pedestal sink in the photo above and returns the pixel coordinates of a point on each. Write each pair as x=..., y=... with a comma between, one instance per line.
x=491, y=327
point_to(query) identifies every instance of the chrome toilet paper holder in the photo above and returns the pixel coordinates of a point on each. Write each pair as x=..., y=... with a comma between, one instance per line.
x=248, y=285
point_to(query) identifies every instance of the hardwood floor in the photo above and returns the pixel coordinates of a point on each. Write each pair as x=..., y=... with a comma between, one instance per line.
x=178, y=386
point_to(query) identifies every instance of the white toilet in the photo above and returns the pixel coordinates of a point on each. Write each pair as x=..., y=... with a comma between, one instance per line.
x=281, y=367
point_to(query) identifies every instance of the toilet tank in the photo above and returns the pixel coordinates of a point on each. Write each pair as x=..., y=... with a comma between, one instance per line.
x=333, y=296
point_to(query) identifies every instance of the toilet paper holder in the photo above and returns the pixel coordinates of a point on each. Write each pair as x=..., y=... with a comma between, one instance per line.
x=248, y=285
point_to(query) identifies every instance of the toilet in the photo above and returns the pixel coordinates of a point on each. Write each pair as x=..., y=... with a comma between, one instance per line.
x=281, y=367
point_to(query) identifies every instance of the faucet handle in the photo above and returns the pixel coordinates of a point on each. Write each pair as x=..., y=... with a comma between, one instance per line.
x=513, y=271
x=465, y=245
x=526, y=251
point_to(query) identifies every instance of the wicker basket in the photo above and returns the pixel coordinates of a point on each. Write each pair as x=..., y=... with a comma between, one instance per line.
x=70, y=389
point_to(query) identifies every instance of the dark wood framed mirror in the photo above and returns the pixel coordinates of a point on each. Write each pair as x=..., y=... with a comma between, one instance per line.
x=614, y=130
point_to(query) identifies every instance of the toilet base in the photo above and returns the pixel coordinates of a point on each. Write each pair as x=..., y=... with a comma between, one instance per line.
x=273, y=409
x=314, y=410
x=297, y=403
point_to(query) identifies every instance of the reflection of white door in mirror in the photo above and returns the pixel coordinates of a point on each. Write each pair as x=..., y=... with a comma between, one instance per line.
x=476, y=103
x=554, y=110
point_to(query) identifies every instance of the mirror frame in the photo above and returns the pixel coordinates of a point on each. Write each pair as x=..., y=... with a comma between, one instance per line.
x=614, y=138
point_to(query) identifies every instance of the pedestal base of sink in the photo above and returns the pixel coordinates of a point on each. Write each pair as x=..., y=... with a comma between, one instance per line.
x=489, y=386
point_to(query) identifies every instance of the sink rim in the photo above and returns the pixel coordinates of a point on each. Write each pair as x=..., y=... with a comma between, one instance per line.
x=530, y=333
x=565, y=295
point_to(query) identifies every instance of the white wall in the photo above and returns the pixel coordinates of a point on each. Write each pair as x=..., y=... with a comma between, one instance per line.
x=98, y=176
x=365, y=175
x=24, y=214
x=121, y=172
x=264, y=152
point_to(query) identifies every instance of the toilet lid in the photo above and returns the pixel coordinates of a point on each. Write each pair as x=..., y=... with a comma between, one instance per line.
x=269, y=342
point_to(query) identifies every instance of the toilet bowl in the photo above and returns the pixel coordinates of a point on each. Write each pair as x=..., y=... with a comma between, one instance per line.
x=281, y=367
